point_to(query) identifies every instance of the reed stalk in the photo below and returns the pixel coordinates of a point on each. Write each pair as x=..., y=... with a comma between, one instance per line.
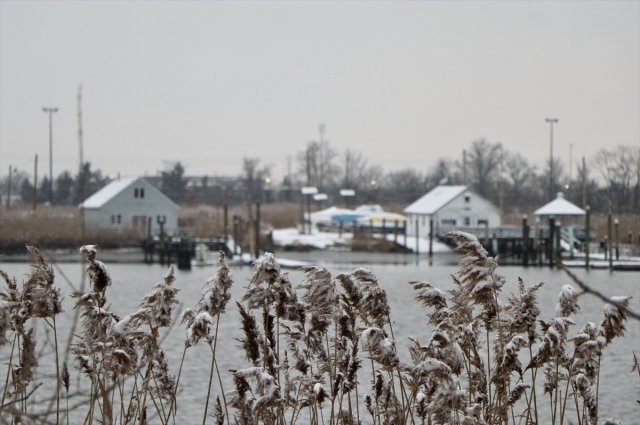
x=175, y=391
x=6, y=381
x=213, y=359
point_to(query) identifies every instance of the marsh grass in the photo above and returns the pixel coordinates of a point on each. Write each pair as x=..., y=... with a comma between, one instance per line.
x=55, y=227
x=311, y=348
x=208, y=221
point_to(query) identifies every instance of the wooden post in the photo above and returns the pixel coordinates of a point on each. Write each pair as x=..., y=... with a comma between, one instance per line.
x=257, y=229
x=163, y=245
x=536, y=241
x=384, y=228
x=417, y=238
x=550, y=244
x=540, y=250
x=525, y=241
x=149, y=247
x=558, y=249
x=309, y=213
x=430, y=238
x=226, y=224
x=395, y=232
x=302, y=220
x=486, y=232
x=587, y=237
x=406, y=223
x=236, y=225
x=609, y=237
x=341, y=228
x=34, y=200
x=617, y=233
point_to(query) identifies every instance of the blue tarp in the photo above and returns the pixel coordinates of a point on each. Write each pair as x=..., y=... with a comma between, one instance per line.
x=345, y=218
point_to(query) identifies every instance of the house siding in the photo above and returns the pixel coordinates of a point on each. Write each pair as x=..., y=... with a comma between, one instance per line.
x=126, y=205
x=464, y=213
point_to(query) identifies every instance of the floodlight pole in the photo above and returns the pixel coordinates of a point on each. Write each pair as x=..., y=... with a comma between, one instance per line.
x=50, y=111
x=551, y=121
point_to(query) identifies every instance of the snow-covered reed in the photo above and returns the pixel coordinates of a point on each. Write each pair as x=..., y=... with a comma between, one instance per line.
x=311, y=349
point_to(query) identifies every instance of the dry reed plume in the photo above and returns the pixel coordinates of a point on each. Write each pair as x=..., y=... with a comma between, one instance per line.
x=311, y=350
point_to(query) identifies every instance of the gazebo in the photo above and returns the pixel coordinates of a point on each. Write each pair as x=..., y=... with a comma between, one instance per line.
x=560, y=207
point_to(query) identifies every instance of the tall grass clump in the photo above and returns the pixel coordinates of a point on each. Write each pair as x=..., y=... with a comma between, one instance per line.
x=319, y=352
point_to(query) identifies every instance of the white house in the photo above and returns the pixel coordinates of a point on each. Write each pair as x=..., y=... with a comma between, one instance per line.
x=450, y=207
x=128, y=203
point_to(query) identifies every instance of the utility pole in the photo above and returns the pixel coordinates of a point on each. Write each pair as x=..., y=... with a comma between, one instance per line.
x=81, y=169
x=50, y=111
x=34, y=200
x=322, y=166
x=501, y=177
x=551, y=121
x=570, y=163
x=9, y=190
x=584, y=183
x=464, y=165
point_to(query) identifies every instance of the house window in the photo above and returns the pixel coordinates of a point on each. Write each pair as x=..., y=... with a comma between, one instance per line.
x=467, y=221
x=135, y=192
x=113, y=219
x=119, y=219
x=448, y=222
x=142, y=192
x=467, y=198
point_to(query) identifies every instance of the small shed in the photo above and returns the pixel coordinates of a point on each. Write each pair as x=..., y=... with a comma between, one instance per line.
x=451, y=207
x=130, y=203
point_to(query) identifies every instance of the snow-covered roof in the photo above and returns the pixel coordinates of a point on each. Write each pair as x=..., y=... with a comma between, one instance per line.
x=104, y=195
x=559, y=206
x=437, y=198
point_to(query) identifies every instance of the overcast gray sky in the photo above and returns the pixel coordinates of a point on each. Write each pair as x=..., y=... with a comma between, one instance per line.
x=207, y=83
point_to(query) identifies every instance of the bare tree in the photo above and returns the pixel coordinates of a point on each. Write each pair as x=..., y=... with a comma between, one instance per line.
x=253, y=177
x=445, y=171
x=354, y=169
x=556, y=178
x=405, y=186
x=520, y=178
x=317, y=164
x=483, y=165
x=619, y=169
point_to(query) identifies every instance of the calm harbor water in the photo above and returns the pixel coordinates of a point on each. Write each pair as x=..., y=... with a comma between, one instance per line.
x=618, y=392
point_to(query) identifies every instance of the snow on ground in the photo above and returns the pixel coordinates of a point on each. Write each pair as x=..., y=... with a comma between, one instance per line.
x=324, y=240
x=320, y=240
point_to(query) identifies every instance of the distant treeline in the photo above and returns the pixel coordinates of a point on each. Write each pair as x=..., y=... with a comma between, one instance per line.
x=609, y=179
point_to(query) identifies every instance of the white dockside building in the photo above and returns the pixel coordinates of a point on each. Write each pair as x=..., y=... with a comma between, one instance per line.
x=451, y=207
x=128, y=203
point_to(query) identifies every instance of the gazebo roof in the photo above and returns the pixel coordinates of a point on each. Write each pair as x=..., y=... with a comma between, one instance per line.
x=560, y=206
